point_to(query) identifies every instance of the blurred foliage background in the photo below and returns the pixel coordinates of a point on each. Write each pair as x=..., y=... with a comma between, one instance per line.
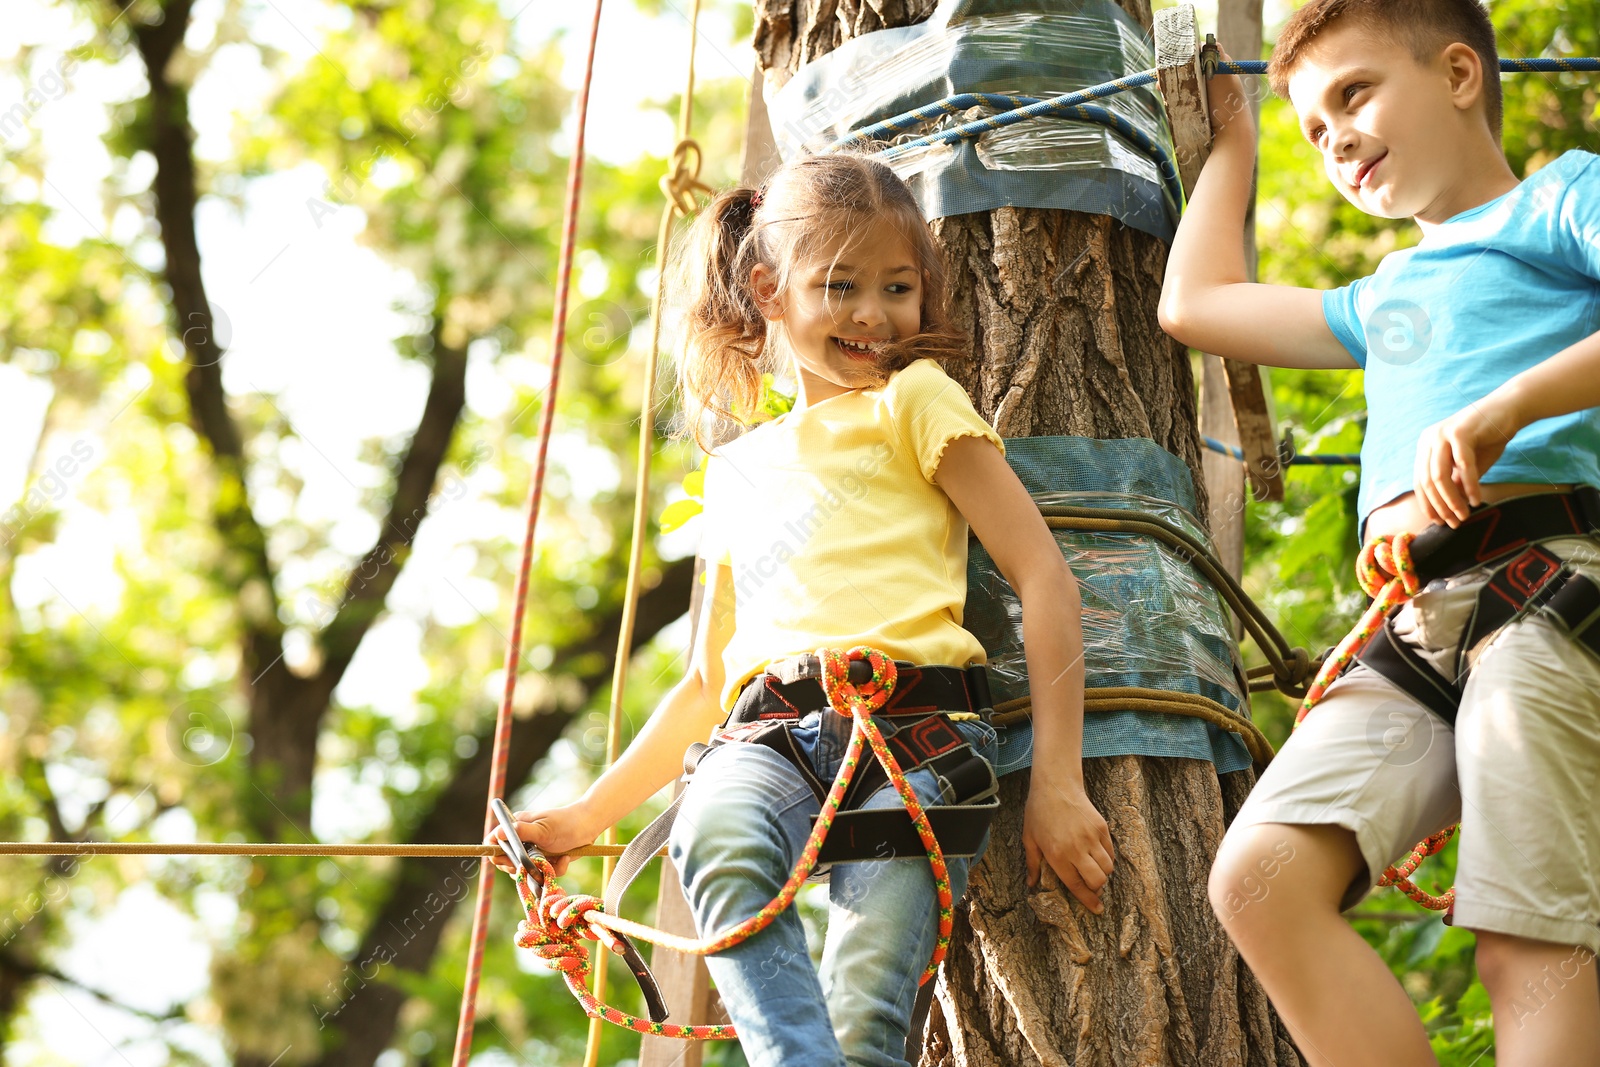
x=138, y=715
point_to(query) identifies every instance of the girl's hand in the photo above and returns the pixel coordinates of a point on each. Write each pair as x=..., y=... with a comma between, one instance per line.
x=553, y=831
x=1061, y=825
x=1452, y=455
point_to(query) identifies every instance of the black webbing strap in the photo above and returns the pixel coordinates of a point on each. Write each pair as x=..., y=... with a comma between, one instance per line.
x=1494, y=531
x=1532, y=582
x=1391, y=658
x=1575, y=607
x=888, y=833
x=791, y=688
x=1512, y=589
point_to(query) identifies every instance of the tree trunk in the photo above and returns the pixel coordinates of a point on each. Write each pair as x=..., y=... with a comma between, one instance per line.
x=1062, y=310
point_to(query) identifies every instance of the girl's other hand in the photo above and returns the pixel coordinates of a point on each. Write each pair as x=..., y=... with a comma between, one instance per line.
x=553, y=831
x=1061, y=826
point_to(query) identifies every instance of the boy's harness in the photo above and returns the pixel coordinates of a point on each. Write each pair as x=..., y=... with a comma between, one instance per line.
x=1530, y=581
x=1394, y=569
x=926, y=700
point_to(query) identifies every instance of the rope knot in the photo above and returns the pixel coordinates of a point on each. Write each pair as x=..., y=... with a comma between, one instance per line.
x=1296, y=670
x=1385, y=559
x=682, y=181
x=847, y=697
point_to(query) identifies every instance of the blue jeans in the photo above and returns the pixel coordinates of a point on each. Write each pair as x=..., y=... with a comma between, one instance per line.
x=744, y=822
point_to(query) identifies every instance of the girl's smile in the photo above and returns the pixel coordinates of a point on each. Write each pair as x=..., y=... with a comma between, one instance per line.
x=842, y=309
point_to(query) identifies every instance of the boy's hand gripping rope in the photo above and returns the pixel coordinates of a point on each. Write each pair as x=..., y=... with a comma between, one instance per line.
x=1386, y=574
x=557, y=923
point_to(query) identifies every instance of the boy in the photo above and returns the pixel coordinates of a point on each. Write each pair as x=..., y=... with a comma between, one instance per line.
x=1482, y=362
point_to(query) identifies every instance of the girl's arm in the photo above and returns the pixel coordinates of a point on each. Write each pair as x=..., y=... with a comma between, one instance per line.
x=1060, y=824
x=654, y=759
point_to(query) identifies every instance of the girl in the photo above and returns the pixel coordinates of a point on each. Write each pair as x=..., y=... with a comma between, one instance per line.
x=842, y=522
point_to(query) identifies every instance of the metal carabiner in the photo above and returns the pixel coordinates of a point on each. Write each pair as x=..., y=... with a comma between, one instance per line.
x=517, y=850
x=512, y=844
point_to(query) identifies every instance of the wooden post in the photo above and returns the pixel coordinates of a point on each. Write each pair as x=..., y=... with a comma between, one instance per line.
x=760, y=147
x=1234, y=407
x=684, y=981
x=1239, y=33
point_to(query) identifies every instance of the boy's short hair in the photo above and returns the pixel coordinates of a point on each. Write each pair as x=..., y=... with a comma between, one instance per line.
x=1424, y=26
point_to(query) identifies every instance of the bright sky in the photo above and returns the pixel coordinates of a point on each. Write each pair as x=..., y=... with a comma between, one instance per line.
x=143, y=951
x=272, y=258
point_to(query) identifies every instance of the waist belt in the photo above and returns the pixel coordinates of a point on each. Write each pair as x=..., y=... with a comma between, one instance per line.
x=771, y=704
x=1496, y=531
x=792, y=687
x=1531, y=581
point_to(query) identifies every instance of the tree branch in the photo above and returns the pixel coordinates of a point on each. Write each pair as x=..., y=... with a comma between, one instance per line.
x=17, y=971
x=170, y=139
x=370, y=581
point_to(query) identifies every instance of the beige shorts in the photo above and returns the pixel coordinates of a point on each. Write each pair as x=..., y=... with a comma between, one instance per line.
x=1518, y=771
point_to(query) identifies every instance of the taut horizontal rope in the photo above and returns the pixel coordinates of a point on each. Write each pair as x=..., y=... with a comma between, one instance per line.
x=1540, y=65
x=263, y=848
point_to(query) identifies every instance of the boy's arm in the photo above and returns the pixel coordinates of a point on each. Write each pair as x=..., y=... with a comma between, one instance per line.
x=1060, y=823
x=685, y=715
x=1207, y=301
x=1452, y=455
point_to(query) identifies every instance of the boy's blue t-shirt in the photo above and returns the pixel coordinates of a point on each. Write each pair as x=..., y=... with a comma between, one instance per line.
x=1484, y=296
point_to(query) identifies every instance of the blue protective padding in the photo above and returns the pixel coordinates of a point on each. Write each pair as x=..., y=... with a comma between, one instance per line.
x=1149, y=618
x=1038, y=48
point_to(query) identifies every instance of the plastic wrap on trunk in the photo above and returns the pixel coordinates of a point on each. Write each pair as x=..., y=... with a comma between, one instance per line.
x=1150, y=619
x=1041, y=48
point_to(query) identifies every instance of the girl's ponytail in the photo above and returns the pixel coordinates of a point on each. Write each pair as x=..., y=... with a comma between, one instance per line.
x=725, y=347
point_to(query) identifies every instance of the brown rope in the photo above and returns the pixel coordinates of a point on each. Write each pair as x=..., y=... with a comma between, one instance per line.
x=1291, y=667
x=1163, y=701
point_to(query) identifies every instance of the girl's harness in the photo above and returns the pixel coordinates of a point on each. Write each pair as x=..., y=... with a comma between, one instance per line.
x=926, y=700
x=556, y=924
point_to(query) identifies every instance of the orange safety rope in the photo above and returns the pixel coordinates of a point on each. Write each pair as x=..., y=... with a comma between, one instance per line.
x=556, y=924
x=1388, y=575
x=502, y=726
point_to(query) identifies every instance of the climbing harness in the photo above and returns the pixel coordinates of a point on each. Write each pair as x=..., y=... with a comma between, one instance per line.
x=1526, y=579
x=774, y=702
x=556, y=924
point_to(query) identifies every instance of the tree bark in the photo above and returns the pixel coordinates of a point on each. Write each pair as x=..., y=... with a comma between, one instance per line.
x=1062, y=310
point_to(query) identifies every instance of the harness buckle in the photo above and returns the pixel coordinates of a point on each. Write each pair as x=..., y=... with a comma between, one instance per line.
x=1526, y=581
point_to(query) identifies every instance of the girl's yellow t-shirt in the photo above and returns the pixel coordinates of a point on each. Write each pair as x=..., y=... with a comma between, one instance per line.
x=835, y=533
